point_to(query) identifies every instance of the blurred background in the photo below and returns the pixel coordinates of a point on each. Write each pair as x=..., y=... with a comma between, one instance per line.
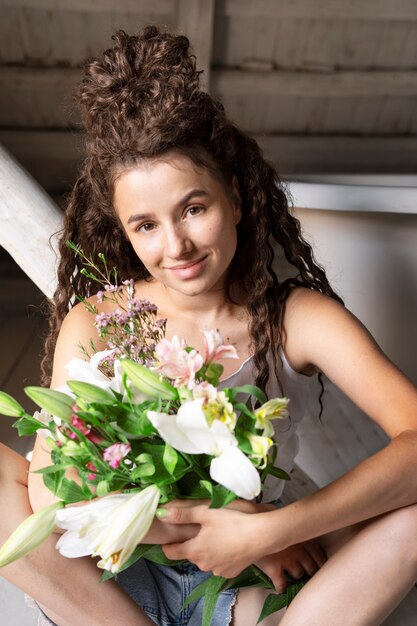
x=329, y=90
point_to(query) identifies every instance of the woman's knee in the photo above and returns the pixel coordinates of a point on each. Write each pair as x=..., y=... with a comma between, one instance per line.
x=401, y=529
x=13, y=466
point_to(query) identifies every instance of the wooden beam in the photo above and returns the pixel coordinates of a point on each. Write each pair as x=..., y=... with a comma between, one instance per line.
x=293, y=154
x=156, y=7
x=28, y=219
x=195, y=19
x=42, y=97
x=340, y=84
x=321, y=9
x=53, y=157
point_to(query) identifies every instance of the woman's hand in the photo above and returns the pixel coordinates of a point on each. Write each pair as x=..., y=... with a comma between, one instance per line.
x=228, y=540
x=298, y=560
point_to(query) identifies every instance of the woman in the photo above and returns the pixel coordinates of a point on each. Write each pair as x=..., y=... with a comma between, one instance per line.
x=180, y=199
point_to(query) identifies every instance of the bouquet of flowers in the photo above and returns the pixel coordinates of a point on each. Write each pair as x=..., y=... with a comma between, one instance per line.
x=146, y=422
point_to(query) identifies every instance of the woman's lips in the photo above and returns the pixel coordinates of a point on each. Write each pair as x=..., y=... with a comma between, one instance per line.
x=188, y=271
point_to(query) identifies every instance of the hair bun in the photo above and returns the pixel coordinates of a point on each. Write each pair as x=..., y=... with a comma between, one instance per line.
x=149, y=70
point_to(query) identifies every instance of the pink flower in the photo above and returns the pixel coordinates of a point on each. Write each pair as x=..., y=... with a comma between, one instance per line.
x=215, y=349
x=93, y=469
x=115, y=453
x=176, y=362
x=80, y=425
x=95, y=437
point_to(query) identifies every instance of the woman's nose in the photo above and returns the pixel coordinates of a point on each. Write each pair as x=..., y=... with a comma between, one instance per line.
x=177, y=242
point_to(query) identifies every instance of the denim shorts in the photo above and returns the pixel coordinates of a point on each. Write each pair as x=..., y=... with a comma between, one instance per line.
x=161, y=591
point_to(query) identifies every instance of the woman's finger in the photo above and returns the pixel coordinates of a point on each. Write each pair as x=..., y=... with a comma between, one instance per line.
x=316, y=552
x=182, y=515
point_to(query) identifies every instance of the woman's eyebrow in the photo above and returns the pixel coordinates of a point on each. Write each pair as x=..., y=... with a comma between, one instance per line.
x=137, y=217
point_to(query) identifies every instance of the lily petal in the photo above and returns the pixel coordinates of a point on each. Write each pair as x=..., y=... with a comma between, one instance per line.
x=170, y=432
x=233, y=470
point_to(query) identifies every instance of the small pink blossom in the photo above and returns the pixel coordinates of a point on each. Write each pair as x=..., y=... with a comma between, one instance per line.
x=95, y=437
x=80, y=425
x=93, y=469
x=115, y=453
x=174, y=361
x=215, y=349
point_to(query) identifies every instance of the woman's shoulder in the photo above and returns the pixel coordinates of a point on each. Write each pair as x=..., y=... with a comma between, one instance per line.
x=307, y=313
x=305, y=306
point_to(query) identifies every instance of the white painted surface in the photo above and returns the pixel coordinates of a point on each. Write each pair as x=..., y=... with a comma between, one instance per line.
x=370, y=257
x=28, y=219
x=362, y=198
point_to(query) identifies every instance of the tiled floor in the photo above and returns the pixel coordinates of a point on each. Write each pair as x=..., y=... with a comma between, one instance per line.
x=21, y=336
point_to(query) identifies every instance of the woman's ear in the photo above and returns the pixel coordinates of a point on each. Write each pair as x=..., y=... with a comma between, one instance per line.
x=237, y=201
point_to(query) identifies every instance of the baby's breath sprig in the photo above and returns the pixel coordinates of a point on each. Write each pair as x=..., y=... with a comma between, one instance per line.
x=130, y=329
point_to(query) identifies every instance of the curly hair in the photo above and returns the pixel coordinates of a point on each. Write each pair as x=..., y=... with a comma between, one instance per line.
x=140, y=100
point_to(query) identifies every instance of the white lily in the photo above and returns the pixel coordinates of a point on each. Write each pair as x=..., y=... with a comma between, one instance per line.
x=110, y=527
x=30, y=534
x=88, y=372
x=194, y=432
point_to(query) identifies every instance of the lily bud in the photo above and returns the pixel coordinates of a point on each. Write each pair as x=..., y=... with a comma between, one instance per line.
x=148, y=382
x=55, y=402
x=91, y=393
x=30, y=534
x=9, y=406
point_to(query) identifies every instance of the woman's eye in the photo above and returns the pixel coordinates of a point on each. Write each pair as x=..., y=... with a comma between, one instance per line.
x=146, y=228
x=194, y=210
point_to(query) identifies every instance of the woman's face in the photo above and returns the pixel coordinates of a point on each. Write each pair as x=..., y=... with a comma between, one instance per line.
x=180, y=220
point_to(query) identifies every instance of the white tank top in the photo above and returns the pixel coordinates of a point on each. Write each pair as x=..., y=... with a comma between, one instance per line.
x=297, y=388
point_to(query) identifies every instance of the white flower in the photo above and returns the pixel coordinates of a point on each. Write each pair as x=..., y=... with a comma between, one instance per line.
x=273, y=409
x=260, y=447
x=110, y=527
x=88, y=372
x=215, y=349
x=30, y=534
x=45, y=418
x=191, y=431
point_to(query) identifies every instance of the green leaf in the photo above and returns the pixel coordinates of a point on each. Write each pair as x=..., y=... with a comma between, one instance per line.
x=274, y=602
x=221, y=497
x=137, y=425
x=91, y=393
x=156, y=555
x=252, y=390
x=170, y=458
x=53, y=469
x=240, y=406
x=146, y=467
x=28, y=426
x=102, y=488
x=9, y=406
x=65, y=489
x=213, y=373
x=207, y=486
x=252, y=576
x=55, y=402
x=294, y=587
x=211, y=586
x=278, y=472
x=156, y=452
x=210, y=589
